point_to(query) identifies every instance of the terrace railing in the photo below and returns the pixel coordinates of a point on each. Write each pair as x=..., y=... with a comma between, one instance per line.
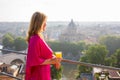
x=63, y=60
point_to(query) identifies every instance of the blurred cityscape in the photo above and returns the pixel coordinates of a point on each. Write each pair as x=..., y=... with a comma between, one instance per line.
x=65, y=31
x=68, y=32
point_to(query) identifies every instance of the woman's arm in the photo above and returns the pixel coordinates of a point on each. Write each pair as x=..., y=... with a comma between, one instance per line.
x=53, y=60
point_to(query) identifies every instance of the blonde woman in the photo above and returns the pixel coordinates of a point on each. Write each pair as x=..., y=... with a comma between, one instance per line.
x=40, y=55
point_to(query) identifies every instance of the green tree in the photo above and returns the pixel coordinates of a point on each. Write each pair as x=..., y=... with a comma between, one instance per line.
x=20, y=44
x=110, y=61
x=117, y=55
x=81, y=46
x=111, y=42
x=95, y=54
x=7, y=41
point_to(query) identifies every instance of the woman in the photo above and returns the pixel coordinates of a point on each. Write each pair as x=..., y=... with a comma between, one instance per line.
x=40, y=55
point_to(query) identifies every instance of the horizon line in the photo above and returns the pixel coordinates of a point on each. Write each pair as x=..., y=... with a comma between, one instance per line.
x=58, y=21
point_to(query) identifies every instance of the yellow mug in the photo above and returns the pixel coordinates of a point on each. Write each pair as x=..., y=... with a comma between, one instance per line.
x=58, y=54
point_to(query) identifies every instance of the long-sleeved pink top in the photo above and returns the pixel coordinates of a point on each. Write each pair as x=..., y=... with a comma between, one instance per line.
x=38, y=52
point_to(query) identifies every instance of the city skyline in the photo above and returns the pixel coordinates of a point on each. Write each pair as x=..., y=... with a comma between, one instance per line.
x=60, y=10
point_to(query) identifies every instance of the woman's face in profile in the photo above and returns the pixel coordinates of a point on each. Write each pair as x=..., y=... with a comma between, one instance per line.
x=44, y=26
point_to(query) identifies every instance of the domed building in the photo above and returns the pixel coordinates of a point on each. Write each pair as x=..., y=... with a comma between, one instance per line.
x=70, y=34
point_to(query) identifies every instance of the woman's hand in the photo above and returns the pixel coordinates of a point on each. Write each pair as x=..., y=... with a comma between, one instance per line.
x=53, y=60
x=58, y=65
x=53, y=56
x=57, y=62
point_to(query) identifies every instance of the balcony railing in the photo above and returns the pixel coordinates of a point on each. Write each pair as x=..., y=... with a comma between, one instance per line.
x=63, y=60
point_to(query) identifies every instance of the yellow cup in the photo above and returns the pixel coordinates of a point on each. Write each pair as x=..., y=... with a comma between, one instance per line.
x=58, y=54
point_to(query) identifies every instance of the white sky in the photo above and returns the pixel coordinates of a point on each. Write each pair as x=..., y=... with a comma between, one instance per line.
x=61, y=10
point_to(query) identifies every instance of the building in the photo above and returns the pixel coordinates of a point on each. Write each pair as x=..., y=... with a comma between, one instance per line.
x=8, y=71
x=12, y=64
x=70, y=34
x=114, y=75
x=12, y=58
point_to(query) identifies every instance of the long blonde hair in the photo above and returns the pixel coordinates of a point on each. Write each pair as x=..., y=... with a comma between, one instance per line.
x=35, y=24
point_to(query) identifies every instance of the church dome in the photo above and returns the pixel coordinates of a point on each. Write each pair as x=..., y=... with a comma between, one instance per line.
x=72, y=24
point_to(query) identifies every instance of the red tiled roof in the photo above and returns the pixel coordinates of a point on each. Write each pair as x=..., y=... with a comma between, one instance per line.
x=114, y=74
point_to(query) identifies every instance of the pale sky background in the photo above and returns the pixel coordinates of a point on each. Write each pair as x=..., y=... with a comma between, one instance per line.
x=61, y=10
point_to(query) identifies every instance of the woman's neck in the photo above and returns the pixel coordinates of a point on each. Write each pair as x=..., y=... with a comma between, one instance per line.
x=41, y=35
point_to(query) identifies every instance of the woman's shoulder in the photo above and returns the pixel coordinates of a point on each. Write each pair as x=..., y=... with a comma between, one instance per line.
x=35, y=38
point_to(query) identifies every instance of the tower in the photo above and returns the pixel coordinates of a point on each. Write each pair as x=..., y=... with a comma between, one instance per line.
x=69, y=35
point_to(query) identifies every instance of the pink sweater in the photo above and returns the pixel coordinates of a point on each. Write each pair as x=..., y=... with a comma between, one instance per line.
x=38, y=52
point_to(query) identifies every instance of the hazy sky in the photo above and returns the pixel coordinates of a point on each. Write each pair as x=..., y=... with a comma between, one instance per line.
x=61, y=10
